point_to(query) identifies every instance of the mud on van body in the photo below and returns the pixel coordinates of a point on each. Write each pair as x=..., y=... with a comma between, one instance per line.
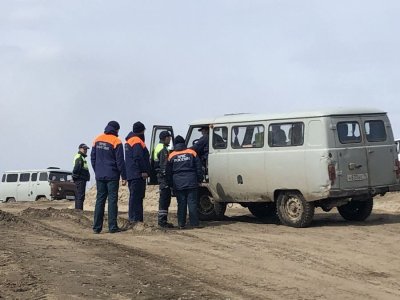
x=289, y=164
x=32, y=185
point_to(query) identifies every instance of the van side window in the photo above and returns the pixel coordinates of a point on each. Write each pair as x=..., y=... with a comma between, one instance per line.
x=43, y=176
x=24, y=177
x=349, y=132
x=375, y=131
x=250, y=136
x=3, y=179
x=12, y=177
x=220, y=137
x=285, y=135
x=34, y=177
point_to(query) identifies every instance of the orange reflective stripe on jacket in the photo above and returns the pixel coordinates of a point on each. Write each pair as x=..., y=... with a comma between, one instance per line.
x=136, y=140
x=186, y=151
x=108, y=138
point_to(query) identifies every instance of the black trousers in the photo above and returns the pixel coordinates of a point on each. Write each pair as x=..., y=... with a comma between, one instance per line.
x=163, y=206
x=80, y=196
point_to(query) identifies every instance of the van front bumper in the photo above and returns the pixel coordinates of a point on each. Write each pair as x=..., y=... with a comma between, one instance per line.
x=370, y=191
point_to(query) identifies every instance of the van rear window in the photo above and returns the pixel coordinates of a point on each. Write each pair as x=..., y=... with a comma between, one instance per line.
x=349, y=132
x=12, y=177
x=375, y=131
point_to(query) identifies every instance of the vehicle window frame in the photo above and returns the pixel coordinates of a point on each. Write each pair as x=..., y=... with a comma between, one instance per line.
x=368, y=135
x=213, y=137
x=270, y=144
x=11, y=174
x=350, y=141
x=3, y=178
x=246, y=126
x=25, y=176
x=33, y=174
x=40, y=176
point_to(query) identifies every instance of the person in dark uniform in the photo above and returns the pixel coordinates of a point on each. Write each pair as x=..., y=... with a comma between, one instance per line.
x=81, y=175
x=137, y=169
x=184, y=174
x=160, y=157
x=108, y=163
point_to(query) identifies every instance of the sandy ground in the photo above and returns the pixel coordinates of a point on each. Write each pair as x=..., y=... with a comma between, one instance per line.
x=48, y=251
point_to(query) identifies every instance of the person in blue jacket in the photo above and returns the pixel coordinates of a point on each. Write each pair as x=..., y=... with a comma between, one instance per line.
x=138, y=169
x=107, y=158
x=184, y=173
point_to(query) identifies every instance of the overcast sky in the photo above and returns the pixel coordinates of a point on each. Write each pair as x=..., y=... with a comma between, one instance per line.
x=68, y=67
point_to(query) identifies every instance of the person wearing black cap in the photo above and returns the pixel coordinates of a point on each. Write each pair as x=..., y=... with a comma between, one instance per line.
x=81, y=175
x=184, y=173
x=160, y=158
x=138, y=169
x=108, y=163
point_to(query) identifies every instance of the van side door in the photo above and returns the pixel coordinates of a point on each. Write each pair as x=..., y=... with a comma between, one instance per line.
x=157, y=129
x=352, y=156
x=246, y=163
x=381, y=151
x=24, y=187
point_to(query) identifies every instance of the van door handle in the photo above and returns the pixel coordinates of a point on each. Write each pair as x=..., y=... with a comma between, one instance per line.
x=371, y=151
x=353, y=166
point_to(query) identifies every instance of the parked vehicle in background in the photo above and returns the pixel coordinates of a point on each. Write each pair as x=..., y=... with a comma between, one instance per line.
x=32, y=185
x=291, y=163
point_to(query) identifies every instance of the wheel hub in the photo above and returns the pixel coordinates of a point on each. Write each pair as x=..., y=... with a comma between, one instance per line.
x=294, y=208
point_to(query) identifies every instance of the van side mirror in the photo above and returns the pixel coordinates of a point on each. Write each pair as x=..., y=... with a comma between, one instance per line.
x=398, y=146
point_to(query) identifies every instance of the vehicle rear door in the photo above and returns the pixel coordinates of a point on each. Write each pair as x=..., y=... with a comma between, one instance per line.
x=352, y=156
x=381, y=151
x=157, y=129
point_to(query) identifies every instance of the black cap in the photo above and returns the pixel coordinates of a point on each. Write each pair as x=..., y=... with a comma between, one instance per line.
x=84, y=146
x=164, y=134
x=114, y=124
x=179, y=140
x=203, y=127
x=138, y=127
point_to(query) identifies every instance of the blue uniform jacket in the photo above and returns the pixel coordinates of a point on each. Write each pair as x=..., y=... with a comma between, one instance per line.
x=137, y=157
x=184, y=169
x=107, y=156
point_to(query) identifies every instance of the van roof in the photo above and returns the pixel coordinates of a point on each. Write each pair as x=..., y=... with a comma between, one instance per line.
x=245, y=117
x=39, y=170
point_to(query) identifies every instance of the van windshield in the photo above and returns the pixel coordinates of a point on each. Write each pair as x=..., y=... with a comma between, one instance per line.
x=61, y=177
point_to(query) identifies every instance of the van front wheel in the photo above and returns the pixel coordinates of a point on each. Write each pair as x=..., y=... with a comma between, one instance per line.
x=293, y=210
x=356, y=210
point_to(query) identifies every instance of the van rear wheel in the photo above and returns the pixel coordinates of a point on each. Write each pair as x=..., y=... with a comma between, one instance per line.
x=11, y=199
x=262, y=210
x=293, y=210
x=356, y=210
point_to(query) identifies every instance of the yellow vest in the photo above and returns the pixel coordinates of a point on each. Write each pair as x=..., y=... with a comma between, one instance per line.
x=85, y=164
x=157, y=150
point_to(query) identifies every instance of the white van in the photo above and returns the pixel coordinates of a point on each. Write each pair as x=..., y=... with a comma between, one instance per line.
x=31, y=185
x=289, y=164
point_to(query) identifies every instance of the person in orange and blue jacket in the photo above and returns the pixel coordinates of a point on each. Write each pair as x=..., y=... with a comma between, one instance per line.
x=138, y=169
x=108, y=163
x=184, y=173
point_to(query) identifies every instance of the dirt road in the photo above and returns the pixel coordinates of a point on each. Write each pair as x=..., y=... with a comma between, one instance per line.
x=51, y=253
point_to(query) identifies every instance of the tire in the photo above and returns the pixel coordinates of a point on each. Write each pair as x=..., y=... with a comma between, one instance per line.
x=219, y=208
x=11, y=199
x=262, y=210
x=206, y=207
x=356, y=210
x=41, y=198
x=294, y=211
